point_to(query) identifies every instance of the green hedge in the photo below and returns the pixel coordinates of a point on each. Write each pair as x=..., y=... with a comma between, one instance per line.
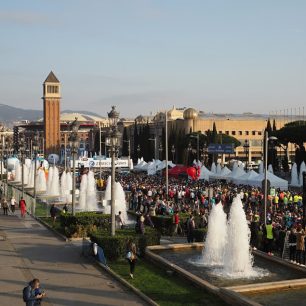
x=83, y=223
x=115, y=247
x=199, y=234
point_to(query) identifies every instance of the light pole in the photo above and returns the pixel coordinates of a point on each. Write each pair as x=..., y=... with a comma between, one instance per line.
x=173, y=152
x=198, y=145
x=160, y=149
x=8, y=144
x=22, y=151
x=189, y=150
x=166, y=155
x=246, y=148
x=74, y=145
x=35, y=148
x=155, y=144
x=266, y=142
x=112, y=141
x=2, y=164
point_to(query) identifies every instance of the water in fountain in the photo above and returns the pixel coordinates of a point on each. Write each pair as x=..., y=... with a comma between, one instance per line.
x=83, y=193
x=69, y=187
x=18, y=172
x=302, y=169
x=213, y=168
x=54, y=183
x=213, y=251
x=91, y=193
x=63, y=186
x=238, y=261
x=120, y=202
x=41, y=185
x=49, y=182
x=218, y=168
x=294, y=176
x=25, y=174
x=31, y=176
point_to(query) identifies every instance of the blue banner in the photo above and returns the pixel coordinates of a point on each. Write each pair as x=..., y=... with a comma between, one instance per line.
x=215, y=148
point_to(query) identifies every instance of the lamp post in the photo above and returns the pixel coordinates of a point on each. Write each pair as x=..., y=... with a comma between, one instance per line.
x=173, y=152
x=112, y=141
x=189, y=150
x=35, y=148
x=21, y=152
x=74, y=146
x=8, y=144
x=198, y=145
x=155, y=144
x=2, y=164
x=246, y=148
x=138, y=151
x=160, y=149
x=266, y=142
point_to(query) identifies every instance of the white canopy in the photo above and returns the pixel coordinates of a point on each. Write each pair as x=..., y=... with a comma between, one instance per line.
x=205, y=173
x=236, y=173
x=275, y=181
x=243, y=179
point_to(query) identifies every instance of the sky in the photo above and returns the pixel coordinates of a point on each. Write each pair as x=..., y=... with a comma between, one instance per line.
x=222, y=56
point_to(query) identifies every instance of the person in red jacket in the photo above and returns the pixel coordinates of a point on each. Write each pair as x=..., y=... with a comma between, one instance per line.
x=176, y=222
x=23, y=207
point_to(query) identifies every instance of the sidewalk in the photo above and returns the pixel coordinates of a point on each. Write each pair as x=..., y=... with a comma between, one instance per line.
x=28, y=250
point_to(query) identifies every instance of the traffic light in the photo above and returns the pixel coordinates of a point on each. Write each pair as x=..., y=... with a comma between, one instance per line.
x=16, y=139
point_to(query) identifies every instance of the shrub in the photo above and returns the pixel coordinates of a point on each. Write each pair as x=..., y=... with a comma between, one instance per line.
x=199, y=234
x=114, y=247
x=83, y=223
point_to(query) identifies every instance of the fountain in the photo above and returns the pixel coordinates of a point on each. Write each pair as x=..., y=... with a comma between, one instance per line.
x=41, y=185
x=17, y=172
x=64, y=186
x=31, y=176
x=69, y=187
x=294, y=176
x=83, y=193
x=91, y=193
x=213, y=252
x=53, y=185
x=25, y=174
x=120, y=202
x=302, y=169
x=49, y=182
x=238, y=261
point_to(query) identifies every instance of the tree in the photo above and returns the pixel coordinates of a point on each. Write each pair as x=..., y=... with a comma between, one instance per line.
x=136, y=142
x=274, y=126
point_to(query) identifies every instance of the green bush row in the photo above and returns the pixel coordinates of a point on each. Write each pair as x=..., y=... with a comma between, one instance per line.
x=199, y=234
x=84, y=223
x=115, y=247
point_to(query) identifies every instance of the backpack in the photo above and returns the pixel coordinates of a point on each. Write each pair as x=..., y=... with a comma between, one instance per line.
x=24, y=294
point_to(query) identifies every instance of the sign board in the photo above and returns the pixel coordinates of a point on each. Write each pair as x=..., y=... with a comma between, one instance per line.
x=106, y=163
x=214, y=148
x=272, y=192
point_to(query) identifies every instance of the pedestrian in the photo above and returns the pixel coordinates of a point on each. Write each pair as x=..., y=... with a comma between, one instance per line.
x=23, y=207
x=300, y=245
x=119, y=221
x=53, y=212
x=175, y=221
x=190, y=229
x=32, y=293
x=269, y=237
x=13, y=205
x=65, y=209
x=5, y=206
x=131, y=256
x=292, y=245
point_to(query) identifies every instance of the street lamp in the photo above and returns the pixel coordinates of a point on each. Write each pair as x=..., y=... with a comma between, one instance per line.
x=246, y=148
x=160, y=149
x=8, y=144
x=198, y=145
x=138, y=151
x=74, y=146
x=266, y=142
x=173, y=152
x=2, y=163
x=35, y=148
x=112, y=141
x=21, y=153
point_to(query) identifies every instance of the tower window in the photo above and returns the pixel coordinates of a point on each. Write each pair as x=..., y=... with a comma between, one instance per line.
x=52, y=89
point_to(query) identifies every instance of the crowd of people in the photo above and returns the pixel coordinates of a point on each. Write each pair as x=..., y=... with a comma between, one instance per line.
x=147, y=196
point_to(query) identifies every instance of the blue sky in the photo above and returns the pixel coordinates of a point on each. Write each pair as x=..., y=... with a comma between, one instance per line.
x=145, y=55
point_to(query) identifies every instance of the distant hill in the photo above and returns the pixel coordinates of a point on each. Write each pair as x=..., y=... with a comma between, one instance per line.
x=10, y=114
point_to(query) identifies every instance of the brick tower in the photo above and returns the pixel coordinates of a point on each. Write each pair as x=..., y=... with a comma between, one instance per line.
x=51, y=98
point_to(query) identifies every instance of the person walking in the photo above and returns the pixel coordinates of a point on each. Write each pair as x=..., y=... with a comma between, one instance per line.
x=292, y=245
x=269, y=237
x=131, y=256
x=53, y=212
x=4, y=206
x=190, y=229
x=175, y=221
x=13, y=205
x=300, y=245
x=23, y=207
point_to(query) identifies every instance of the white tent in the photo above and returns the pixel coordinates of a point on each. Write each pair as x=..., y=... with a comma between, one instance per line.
x=245, y=178
x=270, y=168
x=275, y=181
x=236, y=173
x=205, y=174
x=213, y=168
x=221, y=174
x=302, y=169
x=140, y=166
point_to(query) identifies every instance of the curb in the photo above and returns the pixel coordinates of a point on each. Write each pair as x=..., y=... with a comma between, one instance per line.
x=126, y=284
x=55, y=232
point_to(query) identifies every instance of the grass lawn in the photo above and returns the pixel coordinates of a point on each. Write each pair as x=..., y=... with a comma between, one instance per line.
x=56, y=225
x=164, y=289
x=41, y=209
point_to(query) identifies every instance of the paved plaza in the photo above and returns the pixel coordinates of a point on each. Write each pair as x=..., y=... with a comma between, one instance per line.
x=28, y=250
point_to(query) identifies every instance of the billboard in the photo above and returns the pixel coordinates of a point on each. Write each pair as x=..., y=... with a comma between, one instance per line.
x=104, y=163
x=215, y=148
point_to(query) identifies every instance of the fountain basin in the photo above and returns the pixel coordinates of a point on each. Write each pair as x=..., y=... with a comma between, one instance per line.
x=233, y=291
